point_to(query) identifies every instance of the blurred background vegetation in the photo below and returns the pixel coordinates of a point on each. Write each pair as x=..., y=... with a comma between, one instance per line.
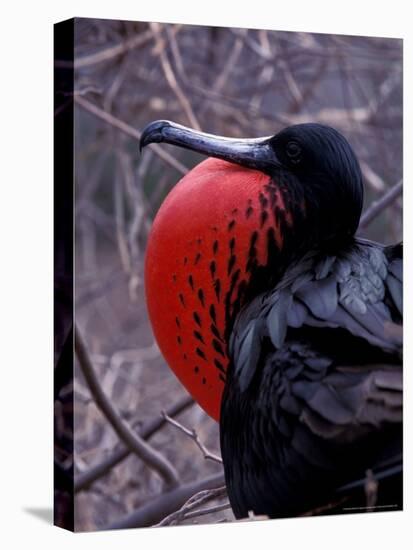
x=234, y=82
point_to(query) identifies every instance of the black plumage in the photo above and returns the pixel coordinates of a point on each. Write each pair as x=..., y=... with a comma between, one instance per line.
x=314, y=390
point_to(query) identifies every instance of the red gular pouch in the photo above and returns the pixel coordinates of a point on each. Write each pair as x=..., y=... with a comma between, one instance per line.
x=216, y=224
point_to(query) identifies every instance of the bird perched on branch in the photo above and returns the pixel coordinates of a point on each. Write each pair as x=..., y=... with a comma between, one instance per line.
x=285, y=327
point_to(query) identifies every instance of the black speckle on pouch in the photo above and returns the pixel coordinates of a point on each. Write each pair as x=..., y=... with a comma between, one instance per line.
x=197, y=319
x=200, y=353
x=213, y=268
x=218, y=347
x=231, y=263
x=201, y=297
x=263, y=217
x=212, y=313
x=249, y=212
x=191, y=282
x=217, y=288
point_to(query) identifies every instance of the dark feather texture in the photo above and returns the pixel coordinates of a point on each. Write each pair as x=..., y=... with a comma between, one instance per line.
x=314, y=392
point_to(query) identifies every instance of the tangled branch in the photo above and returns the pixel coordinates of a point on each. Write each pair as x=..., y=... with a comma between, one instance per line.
x=85, y=479
x=152, y=458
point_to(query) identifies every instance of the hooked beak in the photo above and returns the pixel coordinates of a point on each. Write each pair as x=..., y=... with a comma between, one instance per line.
x=251, y=153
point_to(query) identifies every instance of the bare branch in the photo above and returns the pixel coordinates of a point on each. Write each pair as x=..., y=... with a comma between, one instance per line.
x=196, y=500
x=210, y=510
x=160, y=507
x=121, y=237
x=371, y=488
x=372, y=178
x=233, y=57
x=149, y=456
x=129, y=131
x=113, y=278
x=378, y=206
x=85, y=479
x=117, y=83
x=171, y=79
x=194, y=436
x=262, y=50
x=107, y=53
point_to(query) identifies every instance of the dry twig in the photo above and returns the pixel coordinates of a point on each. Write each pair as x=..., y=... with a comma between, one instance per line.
x=129, y=131
x=370, y=488
x=372, y=178
x=196, y=500
x=378, y=206
x=194, y=436
x=171, y=79
x=107, y=53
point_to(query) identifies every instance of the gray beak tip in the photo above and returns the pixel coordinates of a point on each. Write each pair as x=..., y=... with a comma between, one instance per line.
x=153, y=133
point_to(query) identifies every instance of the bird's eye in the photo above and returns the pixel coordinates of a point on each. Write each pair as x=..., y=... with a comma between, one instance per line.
x=293, y=151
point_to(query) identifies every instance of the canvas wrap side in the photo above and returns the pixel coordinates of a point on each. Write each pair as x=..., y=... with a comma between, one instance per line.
x=63, y=274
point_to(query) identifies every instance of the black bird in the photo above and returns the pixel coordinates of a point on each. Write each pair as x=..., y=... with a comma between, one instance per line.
x=283, y=325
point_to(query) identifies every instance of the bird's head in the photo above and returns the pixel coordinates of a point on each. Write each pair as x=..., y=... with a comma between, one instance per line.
x=230, y=226
x=322, y=167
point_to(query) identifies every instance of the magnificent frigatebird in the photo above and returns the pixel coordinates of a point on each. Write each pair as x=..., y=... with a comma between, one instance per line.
x=283, y=325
